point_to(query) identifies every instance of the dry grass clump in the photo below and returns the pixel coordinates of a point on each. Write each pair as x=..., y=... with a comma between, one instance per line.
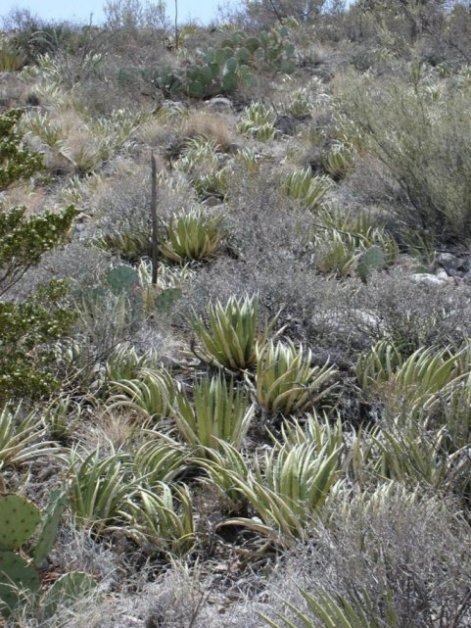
x=216, y=128
x=12, y=89
x=182, y=596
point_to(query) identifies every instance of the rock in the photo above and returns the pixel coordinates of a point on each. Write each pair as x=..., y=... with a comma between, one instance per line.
x=429, y=279
x=286, y=124
x=442, y=274
x=450, y=263
x=212, y=201
x=173, y=104
x=219, y=104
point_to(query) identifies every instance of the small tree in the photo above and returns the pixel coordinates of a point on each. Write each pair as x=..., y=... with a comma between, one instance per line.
x=269, y=11
x=27, y=328
x=131, y=15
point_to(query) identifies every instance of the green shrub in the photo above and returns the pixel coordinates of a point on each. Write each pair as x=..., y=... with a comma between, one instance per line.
x=16, y=162
x=28, y=328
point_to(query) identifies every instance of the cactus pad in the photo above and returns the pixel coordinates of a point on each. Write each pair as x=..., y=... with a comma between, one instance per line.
x=122, y=278
x=15, y=575
x=372, y=259
x=166, y=299
x=57, y=505
x=18, y=520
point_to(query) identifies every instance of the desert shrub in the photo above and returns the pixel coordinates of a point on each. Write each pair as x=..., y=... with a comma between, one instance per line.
x=124, y=219
x=76, y=262
x=11, y=60
x=440, y=30
x=419, y=130
x=215, y=128
x=395, y=557
x=414, y=313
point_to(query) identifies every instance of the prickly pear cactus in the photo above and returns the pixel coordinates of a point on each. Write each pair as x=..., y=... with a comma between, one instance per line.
x=16, y=575
x=121, y=279
x=372, y=259
x=165, y=301
x=57, y=505
x=66, y=590
x=19, y=518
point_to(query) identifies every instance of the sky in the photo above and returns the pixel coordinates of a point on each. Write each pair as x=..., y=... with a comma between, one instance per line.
x=80, y=10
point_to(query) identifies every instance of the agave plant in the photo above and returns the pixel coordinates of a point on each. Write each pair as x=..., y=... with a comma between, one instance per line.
x=124, y=363
x=338, y=160
x=159, y=460
x=286, y=381
x=453, y=410
x=218, y=412
x=40, y=124
x=290, y=484
x=199, y=156
x=117, y=129
x=378, y=365
x=201, y=162
x=192, y=236
x=151, y=394
x=314, y=429
x=22, y=438
x=258, y=121
x=163, y=517
x=169, y=276
x=102, y=488
x=214, y=184
x=303, y=187
x=324, y=610
x=413, y=456
x=299, y=104
x=336, y=254
x=230, y=337
x=61, y=416
x=415, y=384
x=222, y=464
x=345, y=243
x=248, y=159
